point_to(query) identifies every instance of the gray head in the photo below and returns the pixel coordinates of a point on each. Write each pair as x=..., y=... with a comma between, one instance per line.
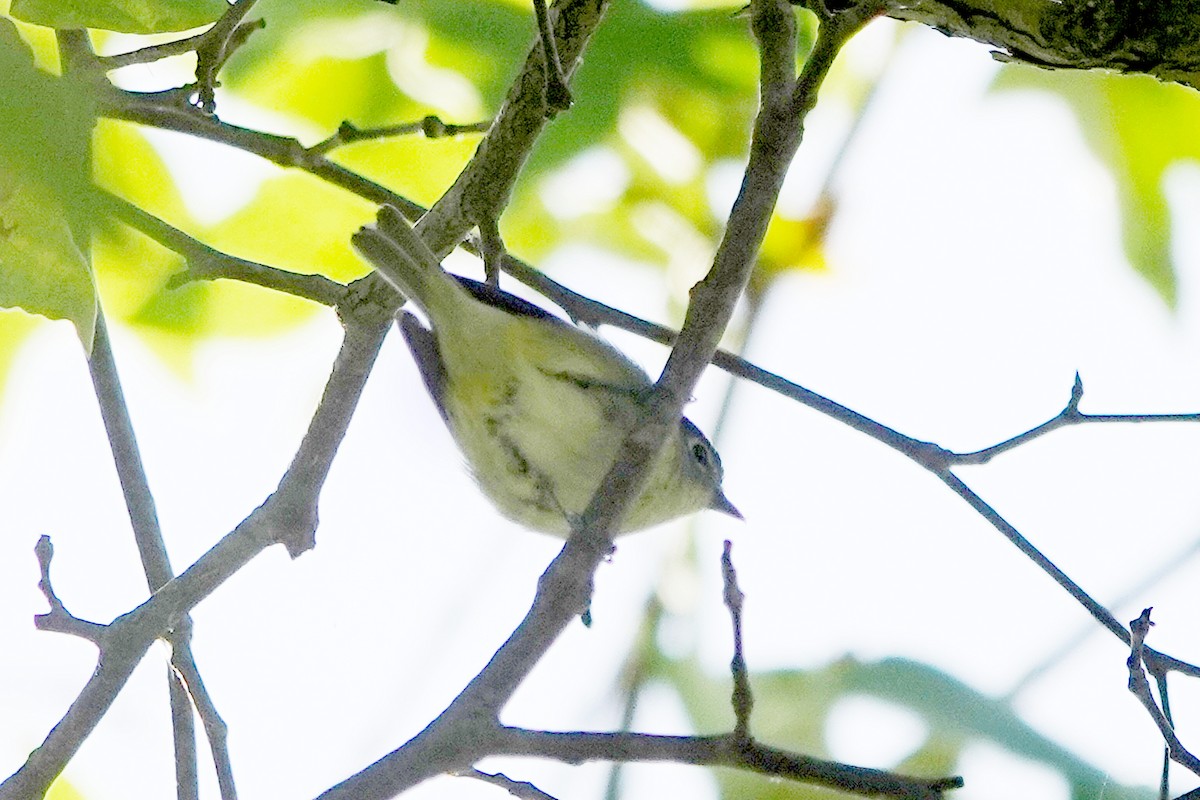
x=702, y=457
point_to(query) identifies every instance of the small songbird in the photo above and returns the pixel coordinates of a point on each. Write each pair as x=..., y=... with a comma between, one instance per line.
x=538, y=406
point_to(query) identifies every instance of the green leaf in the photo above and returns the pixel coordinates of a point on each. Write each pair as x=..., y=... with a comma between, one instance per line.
x=375, y=64
x=1138, y=127
x=44, y=191
x=954, y=709
x=125, y=16
x=41, y=268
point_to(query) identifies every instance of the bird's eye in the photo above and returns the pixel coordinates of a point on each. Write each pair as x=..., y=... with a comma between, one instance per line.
x=701, y=454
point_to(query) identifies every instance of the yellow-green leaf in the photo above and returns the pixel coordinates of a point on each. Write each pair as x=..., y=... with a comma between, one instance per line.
x=41, y=268
x=44, y=190
x=1138, y=127
x=126, y=16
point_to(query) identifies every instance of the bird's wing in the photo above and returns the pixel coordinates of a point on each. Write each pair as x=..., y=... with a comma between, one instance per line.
x=422, y=343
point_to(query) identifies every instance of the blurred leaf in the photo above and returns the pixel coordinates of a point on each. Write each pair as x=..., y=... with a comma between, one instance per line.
x=375, y=64
x=127, y=165
x=41, y=267
x=44, y=44
x=672, y=94
x=294, y=222
x=327, y=91
x=44, y=128
x=45, y=125
x=792, y=708
x=641, y=48
x=132, y=268
x=309, y=228
x=695, y=71
x=418, y=168
x=790, y=245
x=61, y=789
x=1138, y=127
x=954, y=709
x=126, y=16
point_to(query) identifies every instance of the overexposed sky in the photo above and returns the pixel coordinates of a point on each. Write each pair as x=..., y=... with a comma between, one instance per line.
x=974, y=267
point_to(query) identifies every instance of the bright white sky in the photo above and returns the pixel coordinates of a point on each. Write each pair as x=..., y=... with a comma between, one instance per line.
x=975, y=266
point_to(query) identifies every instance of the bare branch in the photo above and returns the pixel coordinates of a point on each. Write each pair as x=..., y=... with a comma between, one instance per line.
x=431, y=127
x=726, y=750
x=1140, y=687
x=288, y=516
x=59, y=619
x=183, y=729
x=225, y=36
x=147, y=534
x=742, y=699
x=151, y=53
x=1070, y=415
x=521, y=789
x=558, y=96
x=1098, y=34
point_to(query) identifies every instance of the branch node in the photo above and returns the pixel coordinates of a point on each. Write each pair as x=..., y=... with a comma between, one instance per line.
x=1072, y=409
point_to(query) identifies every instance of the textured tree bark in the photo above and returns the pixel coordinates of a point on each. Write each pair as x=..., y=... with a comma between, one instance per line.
x=1129, y=36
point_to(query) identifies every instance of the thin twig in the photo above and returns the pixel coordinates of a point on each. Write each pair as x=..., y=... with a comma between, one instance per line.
x=431, y=127
x=288, y=516
x=1168, y=566
x=1164, y=778
x=151, y=53
x=558, y=95
x=206, y=263
x=742, y=698
x=1139, y=628
x=634, y=674
x=520, y=789
x=1070, y=415
x=491, y=246
x=220, y=41
x=59, y=619
x=183, y=726
x=147, y=533
x=215, y=729
x=725, y=750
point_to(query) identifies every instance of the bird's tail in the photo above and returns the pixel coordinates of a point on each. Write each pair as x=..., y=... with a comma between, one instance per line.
x=400, y=255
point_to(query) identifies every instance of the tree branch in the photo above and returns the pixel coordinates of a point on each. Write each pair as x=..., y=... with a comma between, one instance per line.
x=156, y=565
x=58, y=619
x=288, y=516
x=431, y=127
x=1140, y=687
x=742, y=698
x=458, y=736
x=1153, y=38
x=725, y=750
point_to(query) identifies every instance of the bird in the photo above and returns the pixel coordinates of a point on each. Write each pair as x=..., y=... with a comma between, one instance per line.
x=538, y=406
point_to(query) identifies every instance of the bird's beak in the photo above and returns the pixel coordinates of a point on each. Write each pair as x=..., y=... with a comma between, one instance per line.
x=721, y=503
